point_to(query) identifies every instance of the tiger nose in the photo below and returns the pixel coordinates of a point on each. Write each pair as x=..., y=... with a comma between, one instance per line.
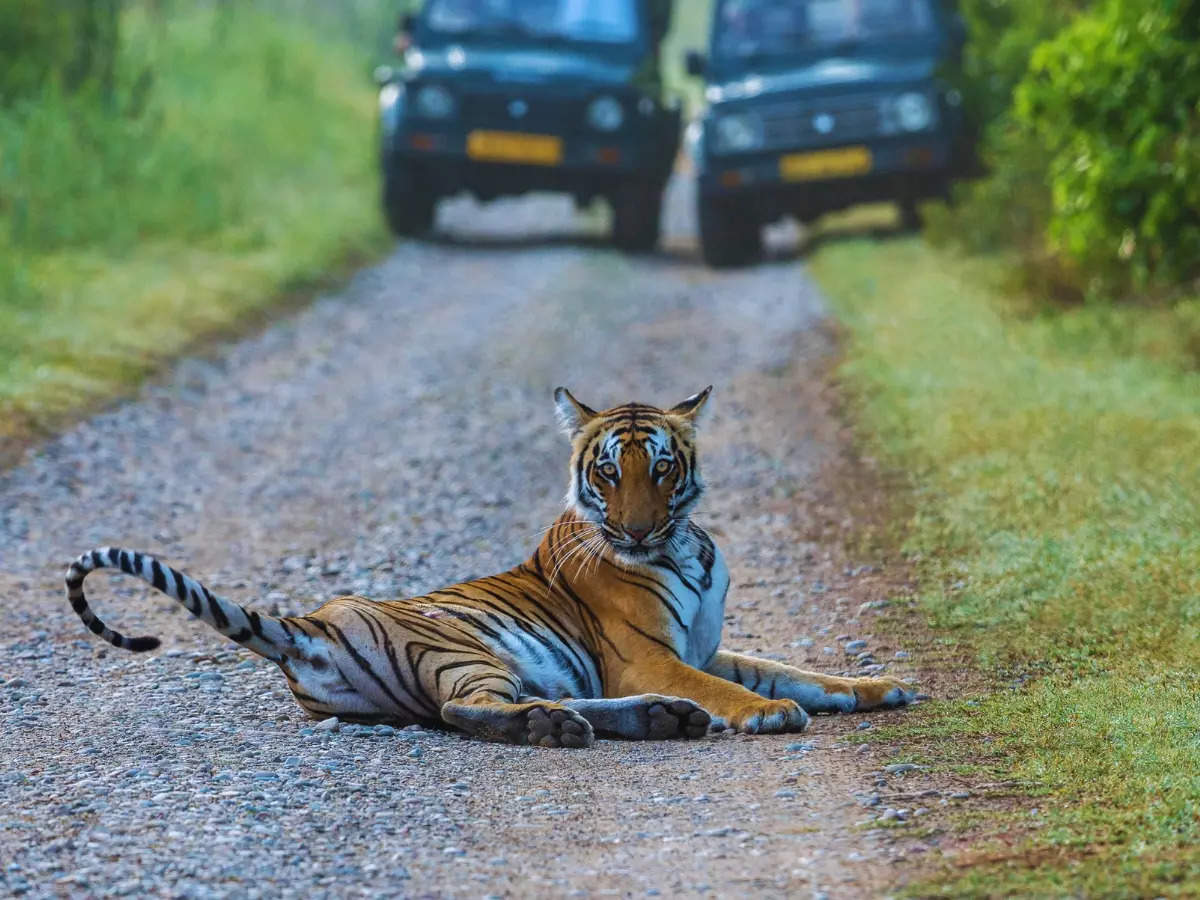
x=638, y=534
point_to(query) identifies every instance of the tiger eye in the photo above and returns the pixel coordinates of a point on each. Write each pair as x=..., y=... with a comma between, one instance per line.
x=662, y=467
x=608, y=470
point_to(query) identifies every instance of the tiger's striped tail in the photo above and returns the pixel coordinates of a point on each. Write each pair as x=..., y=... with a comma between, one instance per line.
x=265, y=635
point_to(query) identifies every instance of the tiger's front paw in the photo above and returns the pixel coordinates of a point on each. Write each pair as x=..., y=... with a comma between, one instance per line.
x=769, y=717
x=883, y=693
x=552, y=725
x=671, y=717
x=541, y=723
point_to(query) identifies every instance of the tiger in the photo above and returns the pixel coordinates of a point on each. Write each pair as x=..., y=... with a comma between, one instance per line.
x=611, y=628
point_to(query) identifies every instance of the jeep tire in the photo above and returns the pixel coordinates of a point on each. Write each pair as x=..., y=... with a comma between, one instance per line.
x=730, y=235
x=637, y=216
x=408, y=208
x=910, y=219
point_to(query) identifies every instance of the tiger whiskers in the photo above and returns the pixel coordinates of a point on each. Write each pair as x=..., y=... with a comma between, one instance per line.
x=593, y=564
x=575, y=551
x=593, y=553
x=683, y=540
x=542, y=532
x=581, y=541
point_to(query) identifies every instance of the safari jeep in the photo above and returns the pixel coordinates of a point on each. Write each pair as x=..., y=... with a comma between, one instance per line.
x=501, y=97
x=815, y=105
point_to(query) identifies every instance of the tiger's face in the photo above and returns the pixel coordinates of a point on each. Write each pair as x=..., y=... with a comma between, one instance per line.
x=634, y=473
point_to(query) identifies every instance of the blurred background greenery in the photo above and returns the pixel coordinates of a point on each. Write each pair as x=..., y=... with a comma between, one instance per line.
x=122, y=121
x=171, y=164
x=1089, y=114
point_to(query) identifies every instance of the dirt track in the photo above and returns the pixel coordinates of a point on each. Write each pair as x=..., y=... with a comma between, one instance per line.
x=388, y=440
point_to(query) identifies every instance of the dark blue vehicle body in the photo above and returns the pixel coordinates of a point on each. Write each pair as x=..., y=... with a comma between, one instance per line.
x=522, y=121
x=824, y=133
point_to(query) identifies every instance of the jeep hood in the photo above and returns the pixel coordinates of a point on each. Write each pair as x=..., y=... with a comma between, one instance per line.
x=519, y=66
x=826, y=76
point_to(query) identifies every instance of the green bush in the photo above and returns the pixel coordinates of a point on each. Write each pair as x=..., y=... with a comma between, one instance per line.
x=1009, y=207
x=36, y=41
x=1115, y=101
x=72, y=43
x=1002, y=35
x=230, y=157
x=165, y=152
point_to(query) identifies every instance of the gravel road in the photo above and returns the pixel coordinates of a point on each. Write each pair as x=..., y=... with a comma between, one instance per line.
x=387, y=440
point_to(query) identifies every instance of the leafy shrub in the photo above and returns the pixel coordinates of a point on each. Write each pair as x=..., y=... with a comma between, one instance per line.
x=70, y=42
x=1115, y=101
x=1002, y=35
x=230, y=157
x=209, y=106
x=35, y=44
x=1010, y=206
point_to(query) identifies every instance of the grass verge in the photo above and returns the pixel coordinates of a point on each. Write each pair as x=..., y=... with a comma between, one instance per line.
x=1054, y=479
x=233, y=166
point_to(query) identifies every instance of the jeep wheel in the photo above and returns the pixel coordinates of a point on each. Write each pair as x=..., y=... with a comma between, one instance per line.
x=408, y=209
x=637, y=216
x=729, y=234
x=910, y=216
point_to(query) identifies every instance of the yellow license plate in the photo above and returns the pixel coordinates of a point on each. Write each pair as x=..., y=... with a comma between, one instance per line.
x=819, y=164
x=514, y=147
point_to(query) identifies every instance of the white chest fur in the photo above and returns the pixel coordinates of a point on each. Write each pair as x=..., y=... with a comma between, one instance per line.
x=697, y=588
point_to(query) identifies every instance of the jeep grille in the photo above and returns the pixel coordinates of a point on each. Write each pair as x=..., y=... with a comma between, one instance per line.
x=844, y=119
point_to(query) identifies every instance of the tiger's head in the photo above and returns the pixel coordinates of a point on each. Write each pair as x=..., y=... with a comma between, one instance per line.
x=634, y=473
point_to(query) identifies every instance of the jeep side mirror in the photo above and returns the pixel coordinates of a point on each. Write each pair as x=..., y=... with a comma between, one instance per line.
x=696, y=63
x=408, y=23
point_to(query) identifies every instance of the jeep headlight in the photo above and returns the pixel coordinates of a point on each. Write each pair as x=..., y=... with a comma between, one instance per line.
x=737, y=133
x=434, y=102
x=914, y=111
x=606, y=113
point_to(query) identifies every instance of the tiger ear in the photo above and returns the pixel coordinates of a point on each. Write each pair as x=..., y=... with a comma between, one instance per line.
x=572, y=415
x=690, y=408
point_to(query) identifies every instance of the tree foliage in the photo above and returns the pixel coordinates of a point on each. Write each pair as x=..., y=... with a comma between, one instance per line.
x=1115, y=101
x=73, y=43
x=1002, y=38
x=1090, y=122
x=36, y=42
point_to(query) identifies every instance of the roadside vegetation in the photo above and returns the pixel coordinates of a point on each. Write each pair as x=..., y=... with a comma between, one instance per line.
x=1055, y=488
x=1033, y=370
x=166, y=171
x=1089, y=117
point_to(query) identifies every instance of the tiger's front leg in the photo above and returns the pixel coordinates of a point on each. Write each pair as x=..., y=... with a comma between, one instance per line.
x=813, y=691
x=644, y=717
x=734, y=705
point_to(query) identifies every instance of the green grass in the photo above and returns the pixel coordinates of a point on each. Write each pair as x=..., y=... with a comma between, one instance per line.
x=235, y=163
x=1054, y=469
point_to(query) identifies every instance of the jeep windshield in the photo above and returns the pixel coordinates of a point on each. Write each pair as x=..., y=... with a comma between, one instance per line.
x=755, y=31
x=610, y=22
